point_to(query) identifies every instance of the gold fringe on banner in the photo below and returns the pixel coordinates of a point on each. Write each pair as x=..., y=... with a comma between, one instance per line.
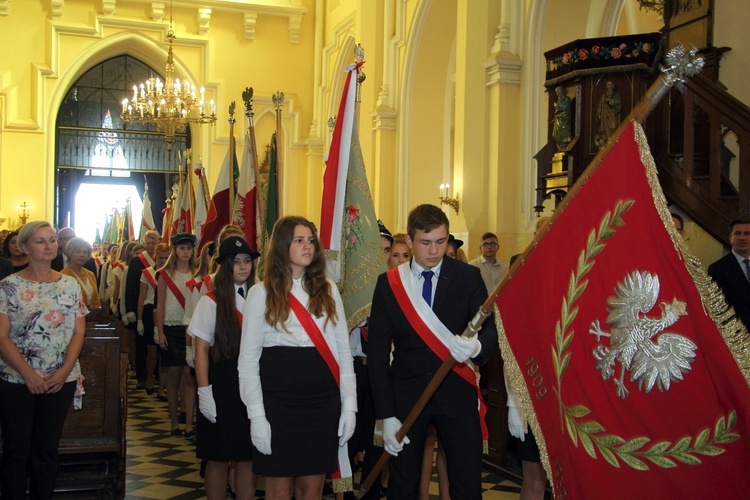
x=731, y=328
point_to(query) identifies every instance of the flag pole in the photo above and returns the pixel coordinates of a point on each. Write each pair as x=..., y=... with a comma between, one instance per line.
x=247, y=98
x=231, y=121
x=359, y=58
x=278, y=102
x=680, y=64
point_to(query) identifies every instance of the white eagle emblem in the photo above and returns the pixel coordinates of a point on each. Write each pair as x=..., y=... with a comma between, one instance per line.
x=631, y=336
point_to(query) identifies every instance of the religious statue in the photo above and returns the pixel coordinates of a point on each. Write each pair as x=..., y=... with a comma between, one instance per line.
x=562, y=123
x=608, y=114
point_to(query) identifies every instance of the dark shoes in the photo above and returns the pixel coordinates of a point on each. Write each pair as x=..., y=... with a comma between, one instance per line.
x=190, y=436
x=176, y=432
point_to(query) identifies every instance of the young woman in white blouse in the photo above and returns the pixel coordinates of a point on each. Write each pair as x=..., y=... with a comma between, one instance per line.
x=295, y=366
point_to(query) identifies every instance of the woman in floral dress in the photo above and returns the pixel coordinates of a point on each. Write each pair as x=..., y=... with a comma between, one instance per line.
x=42, y=325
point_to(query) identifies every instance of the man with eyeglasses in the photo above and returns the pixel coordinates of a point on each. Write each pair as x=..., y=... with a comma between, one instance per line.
x=493, y=271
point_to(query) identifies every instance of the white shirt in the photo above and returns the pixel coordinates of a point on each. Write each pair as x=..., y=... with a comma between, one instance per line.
x=492, y=274
x=174, y=314
x=203, y=323
x=257, y=334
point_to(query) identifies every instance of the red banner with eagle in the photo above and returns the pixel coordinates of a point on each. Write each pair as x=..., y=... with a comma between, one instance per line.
x=633, y=375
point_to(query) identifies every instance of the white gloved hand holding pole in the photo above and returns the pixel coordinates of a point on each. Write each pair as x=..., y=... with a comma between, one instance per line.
x=391, y=425
x=517, y=423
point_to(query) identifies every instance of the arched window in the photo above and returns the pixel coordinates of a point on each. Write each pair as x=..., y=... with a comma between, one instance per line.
x=94, y=145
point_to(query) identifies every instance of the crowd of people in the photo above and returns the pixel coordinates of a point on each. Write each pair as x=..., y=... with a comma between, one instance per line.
x=282, y=389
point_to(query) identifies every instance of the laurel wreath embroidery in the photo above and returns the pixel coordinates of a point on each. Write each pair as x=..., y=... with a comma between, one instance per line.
x=592, y=434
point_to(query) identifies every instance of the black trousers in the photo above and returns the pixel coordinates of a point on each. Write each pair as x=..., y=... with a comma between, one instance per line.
x=32, y=426
x=461, y=438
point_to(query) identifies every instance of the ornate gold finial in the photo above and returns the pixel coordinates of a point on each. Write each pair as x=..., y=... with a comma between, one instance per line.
x=247, y=98
x=331, y=124
x=278, y=100
x=231, y=119
x=681, y=64
x=359, y=53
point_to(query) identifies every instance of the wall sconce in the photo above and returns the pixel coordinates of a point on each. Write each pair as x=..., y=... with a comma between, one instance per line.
x=445, y=199
x=23, y=212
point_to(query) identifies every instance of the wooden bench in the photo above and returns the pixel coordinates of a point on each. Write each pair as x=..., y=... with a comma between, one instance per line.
x=92, y=447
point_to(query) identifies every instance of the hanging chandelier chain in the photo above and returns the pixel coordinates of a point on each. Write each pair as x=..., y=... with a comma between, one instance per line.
x=168, y=105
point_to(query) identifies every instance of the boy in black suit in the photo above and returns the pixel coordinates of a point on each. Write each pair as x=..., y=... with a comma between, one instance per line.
x=732, y=272
x=423, y=306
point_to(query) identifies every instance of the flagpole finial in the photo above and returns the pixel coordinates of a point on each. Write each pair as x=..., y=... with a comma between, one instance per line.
x=359, y=53
x=247, y=98
x=231, y=119
x=682, y=64
x=331, y=124
x=278, y=100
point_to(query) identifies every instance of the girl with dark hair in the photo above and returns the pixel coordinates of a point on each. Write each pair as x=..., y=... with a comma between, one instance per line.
x=295, y=367
x=216, y=325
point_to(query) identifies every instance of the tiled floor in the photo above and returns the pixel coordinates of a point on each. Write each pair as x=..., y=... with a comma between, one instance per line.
x=160, y=466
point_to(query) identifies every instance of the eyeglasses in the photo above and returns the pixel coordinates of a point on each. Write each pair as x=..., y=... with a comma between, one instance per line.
x=489, y=244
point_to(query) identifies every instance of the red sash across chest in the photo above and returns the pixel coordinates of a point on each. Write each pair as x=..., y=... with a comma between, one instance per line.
x=174, y=288
x=313, y=331
x=212, y=295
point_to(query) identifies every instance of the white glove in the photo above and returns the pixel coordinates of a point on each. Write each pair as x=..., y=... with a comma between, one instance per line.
x=463, y=349
x=517, y=423
x=391, y=425
x=156, y=335
x=128, y=318
x=190, y=356
x=347, y=423
x=206, y=403
x=139, y=327
x=260, y=433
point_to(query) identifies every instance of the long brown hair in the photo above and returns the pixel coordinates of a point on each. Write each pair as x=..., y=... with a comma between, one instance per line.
x=228, y=328
x=278, y=275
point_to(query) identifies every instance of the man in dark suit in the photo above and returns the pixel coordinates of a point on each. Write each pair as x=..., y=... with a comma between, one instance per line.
x=444, y=294
x=132, y=289
x=732, y=272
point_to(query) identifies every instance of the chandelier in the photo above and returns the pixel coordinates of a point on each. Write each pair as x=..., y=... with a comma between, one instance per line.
x=168, y=105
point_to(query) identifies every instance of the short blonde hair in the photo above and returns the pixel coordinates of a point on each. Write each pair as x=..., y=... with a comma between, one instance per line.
x=77, y=244
x=150, y=234
x=28, y=230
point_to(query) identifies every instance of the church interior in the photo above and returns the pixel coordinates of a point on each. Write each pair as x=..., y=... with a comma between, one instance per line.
x=457, y=109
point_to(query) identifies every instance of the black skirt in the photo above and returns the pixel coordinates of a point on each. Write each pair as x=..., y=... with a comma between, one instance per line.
x=229, y=438
x=303, y=405
x=148, y=324
x=175, y=353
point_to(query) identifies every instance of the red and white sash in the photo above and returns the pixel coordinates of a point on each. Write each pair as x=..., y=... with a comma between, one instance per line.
x=117, y=264
x=150, y=274
x=431, y=330
x=212, y=295
x=173, y=287
x=145, y=259
x=343, y=475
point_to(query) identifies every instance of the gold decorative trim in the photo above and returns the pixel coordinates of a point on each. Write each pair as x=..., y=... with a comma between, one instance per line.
x=731, y=328
x=342, y=484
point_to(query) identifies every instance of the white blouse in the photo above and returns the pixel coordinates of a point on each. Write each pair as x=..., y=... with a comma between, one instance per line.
x=257, y=334
x=174, y=314
x=203, y=322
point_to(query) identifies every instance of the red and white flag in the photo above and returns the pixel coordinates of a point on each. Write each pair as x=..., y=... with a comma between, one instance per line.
x=147, y=217
x=200, y=204
x=334, y=179
x=185, y=217
x=620, y=349
x=245, y=204
x=219, y=209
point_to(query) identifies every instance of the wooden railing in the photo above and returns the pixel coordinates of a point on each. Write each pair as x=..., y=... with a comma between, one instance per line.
x=700, y=139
